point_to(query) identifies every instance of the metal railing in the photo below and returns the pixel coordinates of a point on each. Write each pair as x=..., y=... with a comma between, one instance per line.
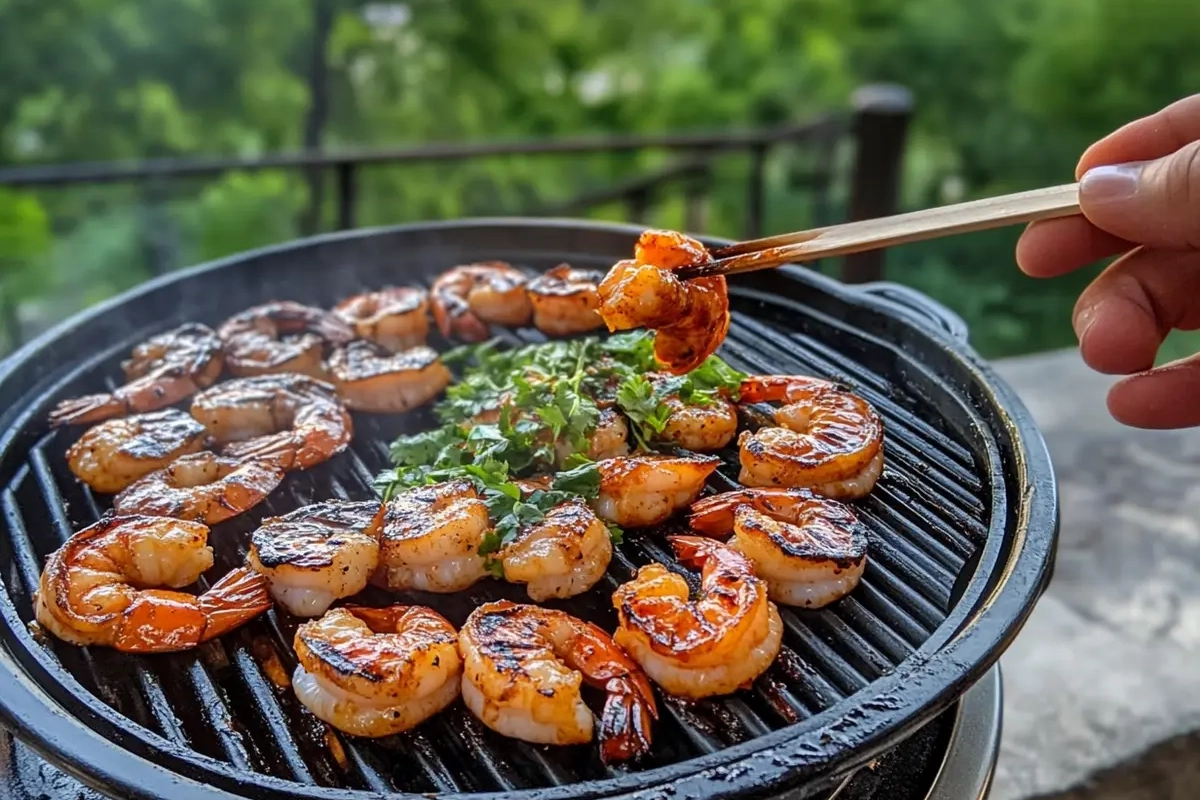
x=877, y=125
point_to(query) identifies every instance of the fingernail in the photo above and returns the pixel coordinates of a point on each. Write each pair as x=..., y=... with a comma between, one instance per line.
x=1110, y=184
x=1084, y=321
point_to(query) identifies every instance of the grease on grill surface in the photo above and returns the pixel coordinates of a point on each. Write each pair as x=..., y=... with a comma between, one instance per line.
x=925, y=519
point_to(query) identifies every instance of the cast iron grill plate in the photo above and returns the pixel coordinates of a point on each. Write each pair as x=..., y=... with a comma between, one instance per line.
x=961, y=527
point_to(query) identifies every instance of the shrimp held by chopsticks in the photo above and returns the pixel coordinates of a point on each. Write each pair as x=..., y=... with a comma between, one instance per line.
x=690, y=318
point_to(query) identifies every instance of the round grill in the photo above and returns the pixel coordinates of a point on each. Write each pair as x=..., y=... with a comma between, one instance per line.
x=962, y=531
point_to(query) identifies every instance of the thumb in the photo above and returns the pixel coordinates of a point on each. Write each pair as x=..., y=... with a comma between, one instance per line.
x=1155, y=203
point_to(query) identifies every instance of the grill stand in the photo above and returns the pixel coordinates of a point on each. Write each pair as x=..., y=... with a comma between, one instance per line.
x=970, y=761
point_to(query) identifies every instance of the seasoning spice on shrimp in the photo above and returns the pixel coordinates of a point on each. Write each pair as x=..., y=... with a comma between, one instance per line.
x=159, y=372
x=810, y=550
x=107, y=587
x=690, y=318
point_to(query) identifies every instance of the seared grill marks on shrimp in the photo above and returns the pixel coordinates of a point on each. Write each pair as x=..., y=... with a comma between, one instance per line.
x=713, y=645
x=115, y=453
x=282, y=336
x=522, y=670
x=319, y=553
x=690, y=318
x=830, y=440
x=431, y=538
x=641, y=491
x=369, y=378
x=295, y=420
x=159, y=372
x=700, y=427
x=566, y=301
x=467, y=298
x=563, y=555
x=395, y=318
x=99, y=588
x=203, y=487
x=809, y=549
x=377, y=671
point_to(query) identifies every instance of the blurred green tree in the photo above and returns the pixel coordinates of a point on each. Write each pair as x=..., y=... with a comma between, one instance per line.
x=1008, y=91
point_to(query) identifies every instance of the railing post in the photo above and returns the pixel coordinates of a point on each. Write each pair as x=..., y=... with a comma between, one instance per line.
x=696, y=189
x=347, y=189
x=756, y=190
x=637, y=203
x=881, y=115
x=10, y=320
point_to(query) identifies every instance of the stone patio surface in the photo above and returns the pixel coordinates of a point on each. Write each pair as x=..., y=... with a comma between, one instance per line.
x=1102, y=687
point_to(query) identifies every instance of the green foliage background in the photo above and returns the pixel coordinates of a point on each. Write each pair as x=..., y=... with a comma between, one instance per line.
x=1008, y=93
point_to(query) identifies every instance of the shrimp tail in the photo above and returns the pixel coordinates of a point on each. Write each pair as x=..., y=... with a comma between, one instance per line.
x=697, y=552
x=713, y=516
x=765, y=388
x=629, y=711
x=160, y=622
x=232, y=601
x=88, y=409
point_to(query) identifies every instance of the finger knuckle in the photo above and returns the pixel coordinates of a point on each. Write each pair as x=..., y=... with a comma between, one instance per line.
x=1182, y=186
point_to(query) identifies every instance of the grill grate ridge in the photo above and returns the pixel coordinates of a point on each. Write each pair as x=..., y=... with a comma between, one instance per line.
x=925, y=521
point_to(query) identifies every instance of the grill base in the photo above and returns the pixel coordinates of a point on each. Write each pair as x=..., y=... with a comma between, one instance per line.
x=951, y=758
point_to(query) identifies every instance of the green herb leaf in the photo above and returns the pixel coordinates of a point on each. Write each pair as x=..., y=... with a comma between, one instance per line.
x=583, y=480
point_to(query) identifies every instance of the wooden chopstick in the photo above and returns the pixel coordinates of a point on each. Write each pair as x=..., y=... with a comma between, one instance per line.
x=872, y=234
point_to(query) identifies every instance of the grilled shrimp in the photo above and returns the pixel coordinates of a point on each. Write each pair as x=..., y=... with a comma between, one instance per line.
x=713, y=645
x=431, y=538
x=466, y=298
x=368, y=378
x=700, y=427
x=640, y=491
x=317, y=554
x=377, y=671
x=396, y=318
x=565, y=301
x=283, y=336
x=563, y=555
x=809, y=549
x=97, y=589
x=203, y=487
x=294, y=419
x=159, y=372
x=522, y=669
x=830, y=440
x=609, y=439
x=115, y=453
x=690, y=319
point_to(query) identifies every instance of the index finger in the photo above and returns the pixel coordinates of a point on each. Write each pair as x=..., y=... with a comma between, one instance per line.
x=1154, y=136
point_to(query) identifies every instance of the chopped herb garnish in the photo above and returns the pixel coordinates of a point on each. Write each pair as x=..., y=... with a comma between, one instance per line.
x=526, y=411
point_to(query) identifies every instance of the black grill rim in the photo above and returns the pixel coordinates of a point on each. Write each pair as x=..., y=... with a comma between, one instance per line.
x=1009, y=578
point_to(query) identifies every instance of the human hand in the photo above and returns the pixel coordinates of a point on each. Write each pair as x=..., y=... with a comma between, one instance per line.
x=1140, y=195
